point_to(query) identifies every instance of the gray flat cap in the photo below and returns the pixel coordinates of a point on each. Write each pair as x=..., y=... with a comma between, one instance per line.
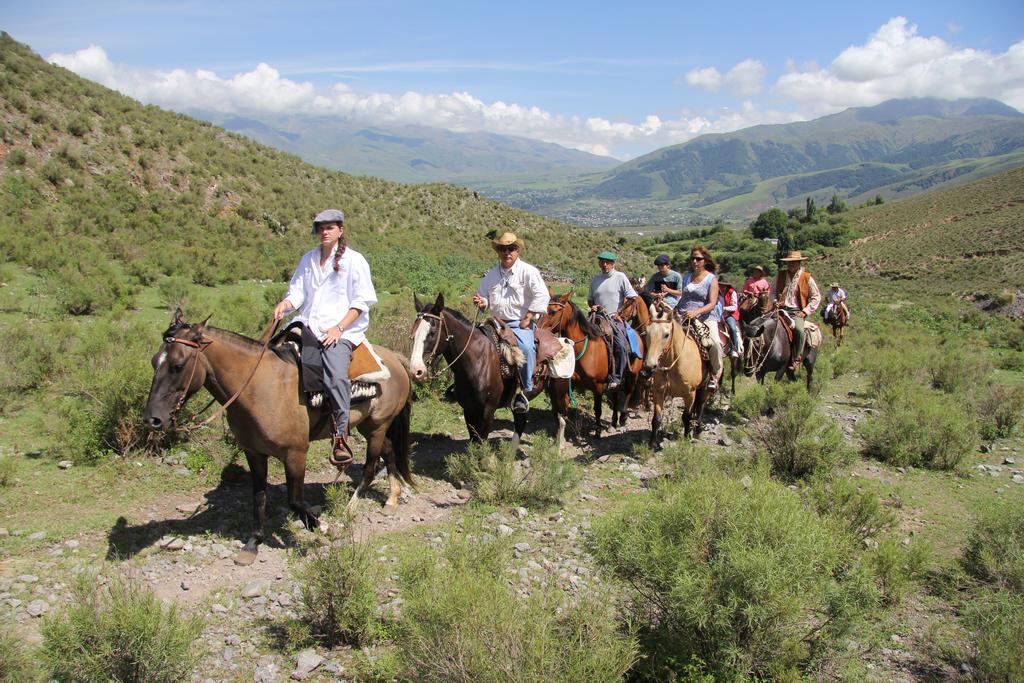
x=328, y=216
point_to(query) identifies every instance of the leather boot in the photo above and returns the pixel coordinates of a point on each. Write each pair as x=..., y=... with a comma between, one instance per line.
x=341, y=452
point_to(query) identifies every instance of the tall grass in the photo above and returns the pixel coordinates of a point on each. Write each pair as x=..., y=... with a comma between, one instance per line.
x=461, y=622
x=338, y=598
x=119, y=632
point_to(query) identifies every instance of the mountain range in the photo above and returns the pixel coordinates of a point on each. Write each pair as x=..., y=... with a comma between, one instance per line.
x=895, y=149
x=414, y=153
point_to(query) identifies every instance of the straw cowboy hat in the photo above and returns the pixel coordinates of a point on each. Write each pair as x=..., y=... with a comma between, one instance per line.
x=834, y=285
x=507, y=239
x=760, y=268
x=793, y=256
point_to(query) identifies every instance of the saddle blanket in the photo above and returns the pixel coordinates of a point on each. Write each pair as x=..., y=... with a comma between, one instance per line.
x=563, y=363
x=813, y=334
x=634, y=342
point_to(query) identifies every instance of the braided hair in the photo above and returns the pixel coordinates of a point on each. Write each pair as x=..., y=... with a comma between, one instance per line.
x=342, y=244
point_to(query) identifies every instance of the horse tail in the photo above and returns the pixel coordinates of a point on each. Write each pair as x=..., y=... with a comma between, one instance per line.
x=398, y=435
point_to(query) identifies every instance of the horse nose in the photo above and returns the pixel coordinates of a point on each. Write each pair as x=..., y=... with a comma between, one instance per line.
x=646, y=372
x=418, y=373
x=153, y=422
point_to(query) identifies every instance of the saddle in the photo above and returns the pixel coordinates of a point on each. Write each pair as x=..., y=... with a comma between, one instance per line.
x=546, y=345
x=366, y=370
x=812, y=331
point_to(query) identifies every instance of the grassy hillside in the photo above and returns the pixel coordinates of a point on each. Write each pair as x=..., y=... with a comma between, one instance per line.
x=961, y=241
x=97, y=189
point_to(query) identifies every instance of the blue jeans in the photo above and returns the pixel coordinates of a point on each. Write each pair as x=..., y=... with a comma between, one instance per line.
x=524, y=340
x=734, y=332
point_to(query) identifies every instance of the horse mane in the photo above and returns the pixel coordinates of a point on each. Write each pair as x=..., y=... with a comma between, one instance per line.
x=239, y=338
x=460, y=317
x=589, y=328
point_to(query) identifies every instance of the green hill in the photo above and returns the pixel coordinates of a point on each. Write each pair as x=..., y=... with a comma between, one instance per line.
x=96, y=188
x=963, y=241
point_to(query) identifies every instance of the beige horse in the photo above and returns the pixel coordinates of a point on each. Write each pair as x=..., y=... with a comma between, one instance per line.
x=674, y=363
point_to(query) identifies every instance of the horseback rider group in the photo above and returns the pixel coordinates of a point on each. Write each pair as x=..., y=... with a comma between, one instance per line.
x=331, y=292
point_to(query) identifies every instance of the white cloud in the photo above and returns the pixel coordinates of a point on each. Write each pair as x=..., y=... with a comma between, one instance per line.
x=897, y=62
x=744, y=79
x=707, y=79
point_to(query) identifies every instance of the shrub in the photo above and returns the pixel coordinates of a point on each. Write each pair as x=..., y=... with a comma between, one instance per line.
x=858, y=510
x=889, y=370
x=952, y=371
x=998, y=620
x=16, y=157
x=915, y=426
x=8, y=469
x=995, y=548
x=174, y=292
x=119, y=632
x=338, y=598
x=16, y=662
x=460, y=621
x=743, y=581
x=897, y=567
x=1000, y=409
x=82, y=290
x=798, y=440
x=496, y=476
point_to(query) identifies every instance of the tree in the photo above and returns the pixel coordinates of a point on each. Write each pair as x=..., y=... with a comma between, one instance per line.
x=768, y=224
x=811, y=210
x=837, y=205
x=879, y=200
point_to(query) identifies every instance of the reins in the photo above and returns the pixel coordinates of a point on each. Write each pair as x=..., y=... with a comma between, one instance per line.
x=200, y=347
x=443, y=329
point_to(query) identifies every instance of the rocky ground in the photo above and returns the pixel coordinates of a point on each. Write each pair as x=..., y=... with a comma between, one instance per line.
x=183, y=547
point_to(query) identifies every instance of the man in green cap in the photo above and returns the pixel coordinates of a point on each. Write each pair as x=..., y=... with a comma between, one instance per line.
x=609, y=291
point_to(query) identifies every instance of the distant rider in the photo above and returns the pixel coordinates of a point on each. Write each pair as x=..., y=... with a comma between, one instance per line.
x=836, y=297
x=516, y=294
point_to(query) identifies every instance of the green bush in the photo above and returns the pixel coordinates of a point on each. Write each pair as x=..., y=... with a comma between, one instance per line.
x=496, y=476
x=119, y=632
x=8, y=470
x=82, y=290
x=16, y=661
x=897, y=567
x=995, y=547
x=16, y=157
x=952, y=371
x=998, y=621
x=798, y=440
x=888, y=370
x=338, y=598
x=737, y=577
x=858, y=510
x=1000, y=409
x=915, y=426
x=461, y=622
x=174, y=293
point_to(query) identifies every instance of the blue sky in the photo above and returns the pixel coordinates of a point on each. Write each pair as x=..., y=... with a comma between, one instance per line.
x=621, y=80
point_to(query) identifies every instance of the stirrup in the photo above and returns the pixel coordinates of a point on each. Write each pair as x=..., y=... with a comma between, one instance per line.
x=341, y=453
x=520, y=404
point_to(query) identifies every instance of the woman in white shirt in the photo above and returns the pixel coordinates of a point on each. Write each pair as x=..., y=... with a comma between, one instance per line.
x=332, y=291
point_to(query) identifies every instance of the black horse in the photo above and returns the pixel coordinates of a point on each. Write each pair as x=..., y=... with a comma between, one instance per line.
x=768, y=350
x=475, y=364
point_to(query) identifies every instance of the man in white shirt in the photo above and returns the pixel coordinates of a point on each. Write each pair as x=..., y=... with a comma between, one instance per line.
x=836, y=297
x=609, y=291
x=516, y=294
x=796, y=291
x=332, y=291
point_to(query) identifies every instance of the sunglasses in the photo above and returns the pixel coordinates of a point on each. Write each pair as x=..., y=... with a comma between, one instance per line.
x=696, y=258
x=505, y=249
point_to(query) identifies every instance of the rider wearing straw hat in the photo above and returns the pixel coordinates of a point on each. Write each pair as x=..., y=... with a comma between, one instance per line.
x=515, y=292
x=836, y=297
x=795, y=291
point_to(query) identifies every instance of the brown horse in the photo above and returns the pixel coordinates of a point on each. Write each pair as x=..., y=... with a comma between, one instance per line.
x=673, y=360
x=592, y=359
x=839, y=321
x=270, y=418
x=752, y=308
x=479, y=386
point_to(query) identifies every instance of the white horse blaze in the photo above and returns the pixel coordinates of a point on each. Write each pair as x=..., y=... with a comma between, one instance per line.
x=161, y=359
x=419, y=338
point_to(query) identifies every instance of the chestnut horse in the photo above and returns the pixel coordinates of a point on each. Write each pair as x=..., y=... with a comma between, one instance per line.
x=270, y=417
x=592, y=359
x=838, y=320
x=479, y=387
x=673, y=361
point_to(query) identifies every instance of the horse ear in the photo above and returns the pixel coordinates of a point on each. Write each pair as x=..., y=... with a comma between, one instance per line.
x=551, y=294
x=199, y=331
x=566, y=297
x=179, y=317
x=439, y=303
x=416, y=302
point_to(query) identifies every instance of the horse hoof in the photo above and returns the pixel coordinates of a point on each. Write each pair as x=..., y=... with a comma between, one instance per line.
x=389, y=509
x=244, y=558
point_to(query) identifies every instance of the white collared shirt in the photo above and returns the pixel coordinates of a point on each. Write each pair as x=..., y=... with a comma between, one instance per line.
x=322, y=297
x=511, y=293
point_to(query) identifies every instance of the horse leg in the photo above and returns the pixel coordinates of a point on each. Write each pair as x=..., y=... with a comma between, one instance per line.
x=380, y=447
x=598, y=401
x=559, y=396
x=295, y=479
x=369, y=473
x=258, y=472
x=655, y=425
x=697, y=412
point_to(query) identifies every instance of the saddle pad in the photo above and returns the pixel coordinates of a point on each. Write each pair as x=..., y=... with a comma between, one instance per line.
x=634, y=342
x=360, y=391
x=813, y=334
x=366, y=366
x=563, y=363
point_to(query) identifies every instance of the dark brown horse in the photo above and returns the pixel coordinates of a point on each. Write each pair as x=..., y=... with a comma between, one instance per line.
x=592, y=359
x=838, y=320
x=769, y=350
x=270, y=418
x=479, y=386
